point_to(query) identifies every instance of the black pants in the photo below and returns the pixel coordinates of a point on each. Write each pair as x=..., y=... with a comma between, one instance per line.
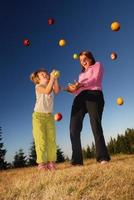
x=91, y=102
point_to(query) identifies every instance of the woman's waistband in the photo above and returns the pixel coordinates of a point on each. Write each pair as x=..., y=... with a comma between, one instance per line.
x=91, y=92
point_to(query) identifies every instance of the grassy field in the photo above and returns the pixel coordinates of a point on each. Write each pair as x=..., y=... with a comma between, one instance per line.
x=113, y=181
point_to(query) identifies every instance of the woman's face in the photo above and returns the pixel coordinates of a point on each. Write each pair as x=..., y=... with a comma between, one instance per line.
x=85, y=61
x=43, y=77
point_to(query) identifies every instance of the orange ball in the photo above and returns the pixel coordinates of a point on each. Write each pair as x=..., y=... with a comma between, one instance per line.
x=115, y=26
x=120, y=101
x=62, y=42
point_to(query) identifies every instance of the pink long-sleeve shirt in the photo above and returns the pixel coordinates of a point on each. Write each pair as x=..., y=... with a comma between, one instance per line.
x=91, y=78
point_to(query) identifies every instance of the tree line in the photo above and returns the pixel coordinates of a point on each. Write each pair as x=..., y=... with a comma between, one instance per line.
x=124, y=144
x=21, y=160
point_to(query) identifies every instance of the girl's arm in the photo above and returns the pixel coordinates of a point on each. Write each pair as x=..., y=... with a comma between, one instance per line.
x=56, y=87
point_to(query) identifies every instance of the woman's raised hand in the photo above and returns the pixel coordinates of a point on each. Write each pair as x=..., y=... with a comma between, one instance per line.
x=72, y=87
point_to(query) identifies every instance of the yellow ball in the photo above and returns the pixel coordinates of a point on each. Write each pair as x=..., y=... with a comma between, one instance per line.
x=62, y=42
x=115, y=26
x=57, y=74
x=120, y=101
x=75, y=56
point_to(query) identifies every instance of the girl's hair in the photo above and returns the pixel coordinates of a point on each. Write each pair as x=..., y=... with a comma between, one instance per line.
x=89, y=55
x=34, y=76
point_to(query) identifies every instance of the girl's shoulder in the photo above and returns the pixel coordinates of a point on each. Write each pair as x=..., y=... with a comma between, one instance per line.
x=38, y=85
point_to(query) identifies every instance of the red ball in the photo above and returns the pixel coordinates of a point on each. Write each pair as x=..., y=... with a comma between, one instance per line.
x=26, y=42
x=50, y=21
x=57, y=116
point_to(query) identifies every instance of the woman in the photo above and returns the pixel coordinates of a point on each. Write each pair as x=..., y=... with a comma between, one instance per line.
x=89, y=99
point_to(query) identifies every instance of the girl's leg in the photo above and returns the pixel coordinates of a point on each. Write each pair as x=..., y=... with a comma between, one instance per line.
x=76, y=121
x=95, y=106
x=51, y=139
x=39, y=136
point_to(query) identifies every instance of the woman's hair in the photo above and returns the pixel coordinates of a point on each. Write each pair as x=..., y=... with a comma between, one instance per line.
x=34, y=76
x=89, y=55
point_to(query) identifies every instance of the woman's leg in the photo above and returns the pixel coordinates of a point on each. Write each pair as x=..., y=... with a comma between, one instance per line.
x=77, y=116
x=95, y=105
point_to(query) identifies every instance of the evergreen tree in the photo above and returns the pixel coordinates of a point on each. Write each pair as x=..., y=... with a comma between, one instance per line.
x=123, y=143
x=93, y=151
x=2, y=153
x=9, y=166
x=118, y=144
x=84, y=153
x=88, y=152
x=67, y=159
x=19, y=159
x=32, y=156
x=129, y=134
x=112, y=146
x=60, y=155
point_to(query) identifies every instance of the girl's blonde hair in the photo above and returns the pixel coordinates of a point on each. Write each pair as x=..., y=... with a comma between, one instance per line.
x=34, y=76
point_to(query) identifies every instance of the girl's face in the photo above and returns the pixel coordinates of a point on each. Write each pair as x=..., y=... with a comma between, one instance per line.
x=85, y=61
x=43, y=77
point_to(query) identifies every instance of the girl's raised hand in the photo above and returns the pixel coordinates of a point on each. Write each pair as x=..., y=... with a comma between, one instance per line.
x=52, y=74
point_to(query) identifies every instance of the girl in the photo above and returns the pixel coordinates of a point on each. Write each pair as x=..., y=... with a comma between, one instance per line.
x=43, y=119
x=89, y=99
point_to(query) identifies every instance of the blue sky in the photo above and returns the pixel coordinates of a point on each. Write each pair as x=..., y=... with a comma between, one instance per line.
x=85, y=25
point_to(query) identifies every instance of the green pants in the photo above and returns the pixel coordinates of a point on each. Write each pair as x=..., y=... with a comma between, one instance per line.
x=44, y=134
